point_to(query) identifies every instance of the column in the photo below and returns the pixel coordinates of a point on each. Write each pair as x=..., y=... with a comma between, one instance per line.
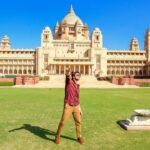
x=32, y=72
x=22, y=69
x=59, y=69
x=120, y=70
x=74, y=68
x=84, y=69
x=89, y=69
x=54, y=69
x=64, y=69
x=79, y=69
x=8, y=69
x=3, y=69
x=27, y=69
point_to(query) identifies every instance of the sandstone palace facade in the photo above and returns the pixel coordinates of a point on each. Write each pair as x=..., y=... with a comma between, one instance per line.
x=71, y=45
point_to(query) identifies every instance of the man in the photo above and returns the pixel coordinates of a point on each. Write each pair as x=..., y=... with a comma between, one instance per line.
x=71, y=105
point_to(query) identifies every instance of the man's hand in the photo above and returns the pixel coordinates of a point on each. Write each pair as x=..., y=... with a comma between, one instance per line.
x=81, y=113
x=68, y=71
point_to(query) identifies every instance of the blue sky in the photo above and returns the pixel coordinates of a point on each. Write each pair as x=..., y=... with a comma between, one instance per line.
x=119, y=20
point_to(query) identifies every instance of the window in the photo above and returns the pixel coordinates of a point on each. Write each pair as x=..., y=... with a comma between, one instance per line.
x=97, y=37
x=46, y=58
x=72, y=45
x=46, y=37
x=71, y=29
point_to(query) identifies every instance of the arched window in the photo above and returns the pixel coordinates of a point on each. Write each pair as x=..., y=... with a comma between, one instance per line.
x=122, y=72
x=15, y=71
x=127, y=72
x=10, y=71
x=118, y=72
x=20, y=71
x=131, y=72
x=29, y=71
x=140, y=72
x=108, y=72
x=113, y=72
x=24, y=71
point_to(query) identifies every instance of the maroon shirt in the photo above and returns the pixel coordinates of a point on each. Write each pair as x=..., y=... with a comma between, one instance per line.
x=71, y=92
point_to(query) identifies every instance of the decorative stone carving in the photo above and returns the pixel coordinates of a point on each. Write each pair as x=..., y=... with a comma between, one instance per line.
x=140, y=121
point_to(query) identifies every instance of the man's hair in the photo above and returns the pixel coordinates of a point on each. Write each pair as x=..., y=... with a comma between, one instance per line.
x=74, y=73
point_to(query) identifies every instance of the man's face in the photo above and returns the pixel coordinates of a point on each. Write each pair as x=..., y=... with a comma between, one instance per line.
x=77, y=76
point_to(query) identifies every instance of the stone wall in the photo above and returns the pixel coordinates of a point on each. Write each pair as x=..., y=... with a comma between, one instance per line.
x=6, y=79
x=22, y=80
x=128, y=81
x=27, y=80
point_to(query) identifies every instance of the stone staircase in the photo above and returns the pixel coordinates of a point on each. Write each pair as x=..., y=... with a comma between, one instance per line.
x=58, y=81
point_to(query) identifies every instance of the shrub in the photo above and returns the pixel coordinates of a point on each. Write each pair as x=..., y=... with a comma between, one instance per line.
x=10, y=76
x=41, y=78
x=99, y=79
x=145, y=84
x=141, y=77
x=46, y=77
x=103, y=78
x=108, y=78
x=6, y=83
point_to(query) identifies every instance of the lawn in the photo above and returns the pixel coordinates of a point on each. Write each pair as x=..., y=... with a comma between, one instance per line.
x=29, y=119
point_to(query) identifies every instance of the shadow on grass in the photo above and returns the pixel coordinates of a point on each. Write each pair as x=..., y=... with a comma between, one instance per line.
x=40, y=132
x=121, y=123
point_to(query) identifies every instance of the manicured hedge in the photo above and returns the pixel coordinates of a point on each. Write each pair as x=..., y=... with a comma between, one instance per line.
x=6, y=83
x=45, y=78
x=141, y=77
x=9, y=76
x=99, y=79
x=104, y=78
x=41, y=78
x=145, y=84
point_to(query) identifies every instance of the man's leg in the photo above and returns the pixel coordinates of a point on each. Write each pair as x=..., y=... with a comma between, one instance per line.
x=77, y=118
x=65, y=116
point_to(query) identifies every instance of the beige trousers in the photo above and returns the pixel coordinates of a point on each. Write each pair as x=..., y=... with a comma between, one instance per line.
x=75, y=111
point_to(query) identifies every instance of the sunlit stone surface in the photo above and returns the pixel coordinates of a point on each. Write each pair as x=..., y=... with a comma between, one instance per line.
x=140, y=121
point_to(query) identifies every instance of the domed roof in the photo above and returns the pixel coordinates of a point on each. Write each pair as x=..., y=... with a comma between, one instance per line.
x=71, y=18
x=97, y=29
x=134, y=38
x=47, y=28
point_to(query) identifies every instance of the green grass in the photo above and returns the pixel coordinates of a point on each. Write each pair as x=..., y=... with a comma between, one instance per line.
x=6, y=83
x=32, y=116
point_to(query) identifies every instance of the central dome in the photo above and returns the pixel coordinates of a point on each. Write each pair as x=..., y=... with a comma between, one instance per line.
x=71, y=18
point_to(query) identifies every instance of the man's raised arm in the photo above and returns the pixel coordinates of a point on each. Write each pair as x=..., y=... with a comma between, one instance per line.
x=67, y=73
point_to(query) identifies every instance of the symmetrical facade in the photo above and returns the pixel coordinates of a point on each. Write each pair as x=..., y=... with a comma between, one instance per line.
x=71, y=46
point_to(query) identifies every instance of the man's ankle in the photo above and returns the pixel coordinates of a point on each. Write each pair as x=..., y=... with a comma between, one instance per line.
x=57, y=139
x=80, y=140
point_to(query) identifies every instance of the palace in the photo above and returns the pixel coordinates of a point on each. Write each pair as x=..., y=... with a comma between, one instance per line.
x=71, y=46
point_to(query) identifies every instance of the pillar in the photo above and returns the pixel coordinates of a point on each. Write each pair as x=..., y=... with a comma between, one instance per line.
x=79, y=69
x=74, y=68
x=84, y=69
x=3, y=69
x=64, y=69
x=90, y=70
x=59, y=69
x=54, y=69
